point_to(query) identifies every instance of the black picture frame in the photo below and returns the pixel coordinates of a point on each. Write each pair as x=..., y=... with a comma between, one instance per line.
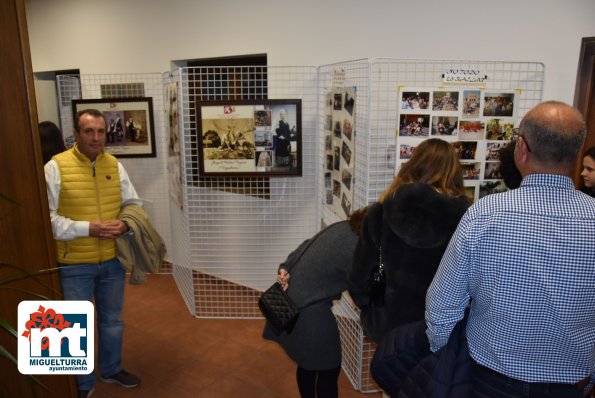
x=251, y=138
x=130, y=126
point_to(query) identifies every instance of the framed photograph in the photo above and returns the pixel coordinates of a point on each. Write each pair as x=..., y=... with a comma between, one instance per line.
x=130, y=131
x=250, y=138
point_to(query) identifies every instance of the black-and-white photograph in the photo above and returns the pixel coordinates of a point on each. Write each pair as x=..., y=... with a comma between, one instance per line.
x=336, y=188
x=490, y=187
x=263, y=139
x=345, y=204
x=327, y=180
x=492, y=171
x=349, y=103
x=329, y=162
x=492, y=149
x=338, y=102
x=346, y=153
x=346, y=178
x=262, y=118
x=337, y=129
x=337, y=158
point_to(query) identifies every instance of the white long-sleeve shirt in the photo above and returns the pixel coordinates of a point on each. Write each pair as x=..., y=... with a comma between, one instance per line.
x=65, y=228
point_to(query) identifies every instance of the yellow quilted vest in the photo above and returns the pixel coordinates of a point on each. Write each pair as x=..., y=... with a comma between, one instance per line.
x=88, y=192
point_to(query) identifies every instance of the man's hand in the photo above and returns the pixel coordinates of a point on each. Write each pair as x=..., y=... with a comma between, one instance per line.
x=107, y=229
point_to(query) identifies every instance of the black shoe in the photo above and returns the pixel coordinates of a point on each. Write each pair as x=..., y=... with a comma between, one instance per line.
x=122, y=378
x=86, y=393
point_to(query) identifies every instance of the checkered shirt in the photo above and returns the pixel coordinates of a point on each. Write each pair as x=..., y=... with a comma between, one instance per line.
x=526, y=259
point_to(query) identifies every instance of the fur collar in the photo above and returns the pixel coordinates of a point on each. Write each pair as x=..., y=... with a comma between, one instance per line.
x=423, y=217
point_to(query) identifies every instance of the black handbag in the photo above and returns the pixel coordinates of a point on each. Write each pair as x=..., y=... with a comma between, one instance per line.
x=278, y=308
x=378, y=283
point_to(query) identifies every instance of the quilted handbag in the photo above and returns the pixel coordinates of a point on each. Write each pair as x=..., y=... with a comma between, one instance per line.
x=278, y=308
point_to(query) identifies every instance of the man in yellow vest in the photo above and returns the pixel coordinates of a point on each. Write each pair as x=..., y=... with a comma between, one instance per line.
x=87, y=187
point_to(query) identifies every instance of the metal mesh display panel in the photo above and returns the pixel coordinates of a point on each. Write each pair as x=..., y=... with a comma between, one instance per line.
x=357, y=350
x=377, y=83
x=241, y=228
x=180, y=246
x=149, y=175
x=354, y=74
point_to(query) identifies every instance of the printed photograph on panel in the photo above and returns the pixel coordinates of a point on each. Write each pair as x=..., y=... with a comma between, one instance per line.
x=445, y=125
x=471, y=103
x=415, y=100
x=346, y=178
x=465, y=149
x=471, y=171
x=492, y=171
x=349, y=103
x=346, y=204
x=492, y=149
x=471, y=130
x=498, y=104
x=445, y=101
x=413, y=125
x=490, y=187
x=262, y=118
x=499, y=129
x=406, y=151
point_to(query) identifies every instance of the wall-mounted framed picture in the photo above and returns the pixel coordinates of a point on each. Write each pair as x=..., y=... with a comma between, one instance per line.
x=250, y=138
x=129, y=126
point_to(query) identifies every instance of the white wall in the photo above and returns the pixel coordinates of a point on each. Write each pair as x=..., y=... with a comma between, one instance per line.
x=46, y=97
x=121, y=36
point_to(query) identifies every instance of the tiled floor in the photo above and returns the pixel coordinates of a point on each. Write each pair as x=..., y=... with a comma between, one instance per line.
x=177, y=355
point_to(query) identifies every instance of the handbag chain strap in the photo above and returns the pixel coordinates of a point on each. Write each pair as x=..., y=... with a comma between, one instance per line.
x=380, y=263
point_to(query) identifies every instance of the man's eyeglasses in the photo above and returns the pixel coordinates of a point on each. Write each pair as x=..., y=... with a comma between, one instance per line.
x=515, y=136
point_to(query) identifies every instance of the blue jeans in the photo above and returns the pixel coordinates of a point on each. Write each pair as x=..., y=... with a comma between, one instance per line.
x=490, y=384
x=103, y=283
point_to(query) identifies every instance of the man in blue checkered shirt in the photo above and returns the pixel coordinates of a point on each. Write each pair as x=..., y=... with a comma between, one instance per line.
x=524, y=260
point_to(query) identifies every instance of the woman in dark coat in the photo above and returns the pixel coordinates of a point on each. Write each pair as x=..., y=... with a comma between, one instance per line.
x=413, y=222
x=314, y=275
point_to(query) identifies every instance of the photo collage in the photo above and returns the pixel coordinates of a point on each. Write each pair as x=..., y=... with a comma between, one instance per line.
x=339, y=164
x=478, y=122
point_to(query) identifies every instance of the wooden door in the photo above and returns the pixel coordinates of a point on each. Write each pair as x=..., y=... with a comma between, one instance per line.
x=25, y=232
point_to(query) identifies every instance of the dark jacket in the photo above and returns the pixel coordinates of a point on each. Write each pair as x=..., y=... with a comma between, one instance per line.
x=318, y=275
x=404, y=367
x=415, y=226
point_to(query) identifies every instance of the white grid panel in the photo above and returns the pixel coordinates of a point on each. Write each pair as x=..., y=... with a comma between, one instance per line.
x=356, y=74
x=526, y=78
x=356, y=349
x=377, y=82
x=148, y=175
x=376, y=123
x=238, y=239
x=180, y=246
